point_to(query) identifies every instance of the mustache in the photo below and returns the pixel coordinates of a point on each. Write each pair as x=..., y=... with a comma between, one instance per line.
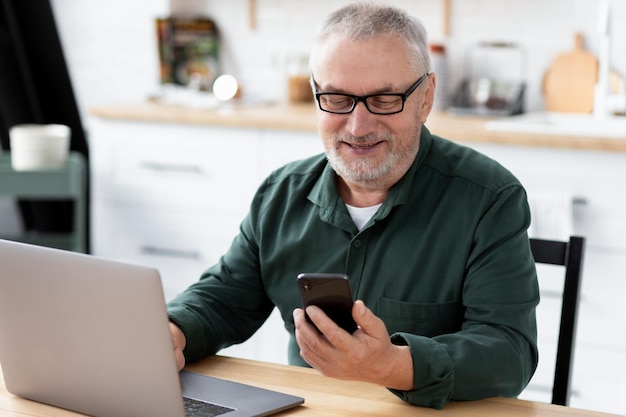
x=370, y=138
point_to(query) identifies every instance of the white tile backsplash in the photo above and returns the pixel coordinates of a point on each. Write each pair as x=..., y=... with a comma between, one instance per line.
x=110, y=48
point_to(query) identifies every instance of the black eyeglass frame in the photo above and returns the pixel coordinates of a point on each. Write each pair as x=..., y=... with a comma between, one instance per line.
x=357, y=99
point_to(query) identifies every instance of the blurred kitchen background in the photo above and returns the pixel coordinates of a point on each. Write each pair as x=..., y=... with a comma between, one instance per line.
x=112, y=53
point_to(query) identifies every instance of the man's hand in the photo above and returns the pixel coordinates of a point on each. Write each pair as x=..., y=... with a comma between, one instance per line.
x=179, y=341
x=366, y=355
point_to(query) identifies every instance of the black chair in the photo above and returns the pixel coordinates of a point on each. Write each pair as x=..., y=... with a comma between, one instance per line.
x=570, y=255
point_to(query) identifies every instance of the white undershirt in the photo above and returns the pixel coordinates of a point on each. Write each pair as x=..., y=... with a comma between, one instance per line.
x=361, y=215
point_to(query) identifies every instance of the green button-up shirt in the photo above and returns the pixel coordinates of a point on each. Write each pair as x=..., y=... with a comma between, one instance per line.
x=445, y=262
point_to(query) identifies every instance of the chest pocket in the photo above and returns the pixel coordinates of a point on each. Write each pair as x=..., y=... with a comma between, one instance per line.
x=422, y=319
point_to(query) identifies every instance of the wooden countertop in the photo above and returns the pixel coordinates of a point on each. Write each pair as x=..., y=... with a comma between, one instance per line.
x=274, y=116
x=302, y=117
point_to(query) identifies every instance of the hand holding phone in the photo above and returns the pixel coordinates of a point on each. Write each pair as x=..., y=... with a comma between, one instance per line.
x=332, y=294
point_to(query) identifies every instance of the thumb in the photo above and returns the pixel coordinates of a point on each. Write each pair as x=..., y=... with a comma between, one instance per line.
x=368, y=322
x=363, y=315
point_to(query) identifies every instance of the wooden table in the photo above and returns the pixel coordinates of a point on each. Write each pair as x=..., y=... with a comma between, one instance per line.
x=324, y=397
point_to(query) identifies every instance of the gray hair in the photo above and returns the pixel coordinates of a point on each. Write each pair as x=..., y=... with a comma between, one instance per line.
x=363, y=21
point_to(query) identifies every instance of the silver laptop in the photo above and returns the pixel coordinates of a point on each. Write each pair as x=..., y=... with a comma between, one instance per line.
x=91, y=335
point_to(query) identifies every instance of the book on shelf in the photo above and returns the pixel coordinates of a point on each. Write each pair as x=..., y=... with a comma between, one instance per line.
x=189, y=51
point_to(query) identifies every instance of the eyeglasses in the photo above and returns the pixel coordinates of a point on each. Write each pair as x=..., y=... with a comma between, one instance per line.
x=391, y=103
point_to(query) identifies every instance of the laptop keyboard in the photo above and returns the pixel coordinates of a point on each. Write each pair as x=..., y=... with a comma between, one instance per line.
x=195, y=408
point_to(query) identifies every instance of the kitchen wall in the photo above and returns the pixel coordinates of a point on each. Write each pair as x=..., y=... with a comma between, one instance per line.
x=112, y=54
x=110, y=48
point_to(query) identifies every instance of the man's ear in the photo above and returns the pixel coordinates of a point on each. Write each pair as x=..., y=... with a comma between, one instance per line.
x=429, y=97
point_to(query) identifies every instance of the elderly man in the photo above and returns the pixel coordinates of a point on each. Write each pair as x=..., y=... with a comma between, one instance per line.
x=432, y=234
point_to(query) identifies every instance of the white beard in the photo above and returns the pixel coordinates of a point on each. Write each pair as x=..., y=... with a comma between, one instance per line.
x=362, y=170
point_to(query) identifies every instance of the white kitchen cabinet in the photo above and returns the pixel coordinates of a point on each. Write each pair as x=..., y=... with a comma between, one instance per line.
x=282, y=147
x=181, y=244
x=172, y=195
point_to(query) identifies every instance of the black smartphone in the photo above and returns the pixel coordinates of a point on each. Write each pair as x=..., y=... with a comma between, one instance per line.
x=331, y=293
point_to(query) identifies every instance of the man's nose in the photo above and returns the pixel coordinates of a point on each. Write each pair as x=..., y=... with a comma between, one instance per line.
x=360, y=122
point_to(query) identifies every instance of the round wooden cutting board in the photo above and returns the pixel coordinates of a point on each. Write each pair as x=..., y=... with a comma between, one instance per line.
x=569, y=83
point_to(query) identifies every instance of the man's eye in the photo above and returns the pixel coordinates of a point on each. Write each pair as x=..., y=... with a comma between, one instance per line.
x=338, y=101
x=383, y=101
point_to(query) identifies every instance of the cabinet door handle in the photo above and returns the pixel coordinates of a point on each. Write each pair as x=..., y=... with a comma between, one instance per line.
x=165, y=167
x=168, y=252
x=558, y=295
x=543, y=388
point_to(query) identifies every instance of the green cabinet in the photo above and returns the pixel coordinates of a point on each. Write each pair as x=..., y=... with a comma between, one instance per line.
x=68, y=182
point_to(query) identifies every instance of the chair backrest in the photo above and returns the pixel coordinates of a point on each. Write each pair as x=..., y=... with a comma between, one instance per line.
x=570, y=255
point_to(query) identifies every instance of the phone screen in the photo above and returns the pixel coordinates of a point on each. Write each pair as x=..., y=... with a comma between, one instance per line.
x=331, y=293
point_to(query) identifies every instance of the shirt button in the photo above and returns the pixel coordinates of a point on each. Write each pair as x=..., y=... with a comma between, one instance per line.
x=357, y=244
